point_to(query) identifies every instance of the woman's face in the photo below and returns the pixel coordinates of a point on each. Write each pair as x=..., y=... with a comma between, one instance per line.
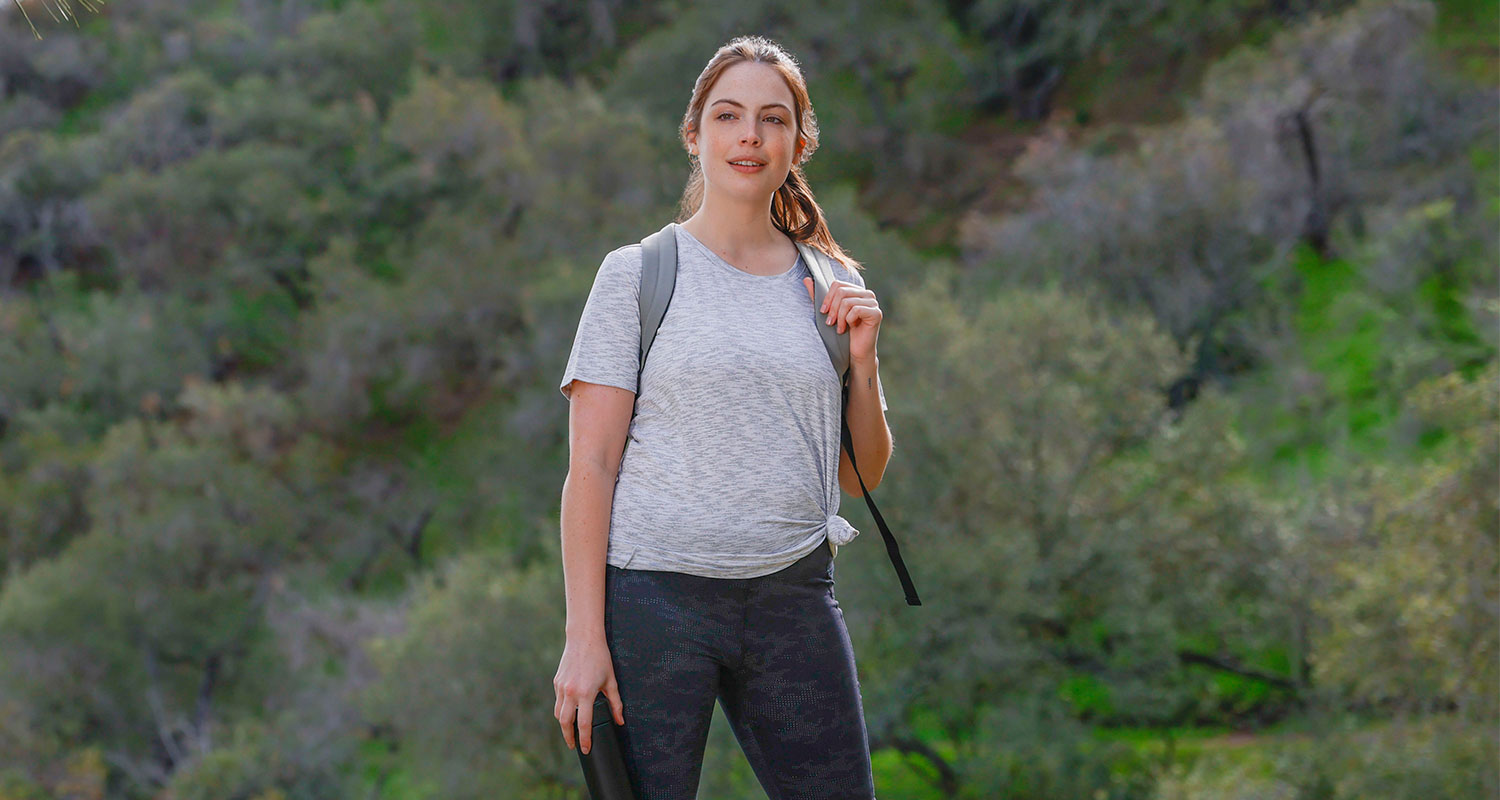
x=748, y=116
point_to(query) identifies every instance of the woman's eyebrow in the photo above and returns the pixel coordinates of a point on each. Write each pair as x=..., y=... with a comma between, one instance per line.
x=736, y=103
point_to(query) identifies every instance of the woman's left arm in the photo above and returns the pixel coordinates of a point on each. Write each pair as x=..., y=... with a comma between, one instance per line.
x=854, y=308
x=867, y=429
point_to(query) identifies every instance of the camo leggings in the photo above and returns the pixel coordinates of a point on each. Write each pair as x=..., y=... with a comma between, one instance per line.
x=772, y=650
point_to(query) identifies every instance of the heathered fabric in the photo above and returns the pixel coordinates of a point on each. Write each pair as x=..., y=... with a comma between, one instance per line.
x=775, y=651
x=731, y=465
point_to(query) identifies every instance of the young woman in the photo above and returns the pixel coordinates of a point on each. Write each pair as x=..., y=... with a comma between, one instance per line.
x=698, y=564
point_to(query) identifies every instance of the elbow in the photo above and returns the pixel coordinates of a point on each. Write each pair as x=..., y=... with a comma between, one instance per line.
x=849, y=479
x=851, y=485
x=600, y=468
x=877, y=476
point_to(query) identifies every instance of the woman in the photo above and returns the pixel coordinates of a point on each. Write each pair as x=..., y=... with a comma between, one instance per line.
x=699, y=565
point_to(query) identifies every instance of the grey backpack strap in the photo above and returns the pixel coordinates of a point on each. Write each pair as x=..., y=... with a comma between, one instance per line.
x=836, y=343
x=658, y=277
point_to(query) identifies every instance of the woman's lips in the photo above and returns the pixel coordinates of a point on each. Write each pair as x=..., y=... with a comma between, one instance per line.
x=740, y=168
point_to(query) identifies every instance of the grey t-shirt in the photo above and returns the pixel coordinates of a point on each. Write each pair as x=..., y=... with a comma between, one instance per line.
x=731, y=465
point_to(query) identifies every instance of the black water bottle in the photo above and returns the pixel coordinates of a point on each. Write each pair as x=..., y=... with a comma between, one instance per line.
x=604, y=763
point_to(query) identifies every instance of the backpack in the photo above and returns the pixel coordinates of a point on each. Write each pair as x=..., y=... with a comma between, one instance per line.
x=659, y=277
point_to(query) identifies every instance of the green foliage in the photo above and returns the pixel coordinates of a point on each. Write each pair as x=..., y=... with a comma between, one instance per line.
x=1026, y=49
x=1342, y=331
x=1093, y=500
x=1035, y=751
x=165, y=123
x=252, y=764
x=1464, y=35
x=1086, y=695
x=1402, y=760
x=165, y=594
x=360, y=47
x=523, y=39
x=254, y=108
x=81, y=773
x=1368, y=329
x=467, y=687
x=44, y=460
x=78, y=347
x=42, y=178
x=1415, y=593
x=254, y=203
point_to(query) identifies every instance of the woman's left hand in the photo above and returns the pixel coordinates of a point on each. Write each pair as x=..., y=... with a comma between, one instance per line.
x=853, y=309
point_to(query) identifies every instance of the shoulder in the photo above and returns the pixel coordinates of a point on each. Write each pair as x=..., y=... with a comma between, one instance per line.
x=619, y=272
x=846, y=274
x=623, y=260
x=840, y=272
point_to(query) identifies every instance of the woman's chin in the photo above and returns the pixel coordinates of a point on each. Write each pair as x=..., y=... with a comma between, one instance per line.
x=746, y=190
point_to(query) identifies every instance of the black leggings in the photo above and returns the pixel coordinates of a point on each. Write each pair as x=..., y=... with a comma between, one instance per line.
x=772, y=650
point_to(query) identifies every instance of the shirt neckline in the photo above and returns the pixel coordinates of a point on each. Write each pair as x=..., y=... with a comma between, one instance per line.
x=708, y=251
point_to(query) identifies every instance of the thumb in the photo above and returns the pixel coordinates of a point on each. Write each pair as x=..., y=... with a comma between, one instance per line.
x=808, y=282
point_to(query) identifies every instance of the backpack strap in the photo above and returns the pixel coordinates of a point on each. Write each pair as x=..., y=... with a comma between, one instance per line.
x=837, y=344
x=658, y=278
x=822, y=274
x=891, y=549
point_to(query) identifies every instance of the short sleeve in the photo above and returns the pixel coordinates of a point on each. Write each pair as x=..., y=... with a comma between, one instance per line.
x=855, y=276
x=607, y=346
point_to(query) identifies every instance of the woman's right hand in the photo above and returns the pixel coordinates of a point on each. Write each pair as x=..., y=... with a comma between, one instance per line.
x=585, y=670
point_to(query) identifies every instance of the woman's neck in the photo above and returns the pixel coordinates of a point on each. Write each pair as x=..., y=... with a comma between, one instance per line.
x=735, y=232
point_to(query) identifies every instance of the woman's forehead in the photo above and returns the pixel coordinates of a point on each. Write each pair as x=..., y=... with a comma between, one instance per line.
x=751, y=85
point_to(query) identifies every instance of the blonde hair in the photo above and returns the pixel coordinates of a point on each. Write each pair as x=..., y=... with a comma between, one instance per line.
x=794, y=211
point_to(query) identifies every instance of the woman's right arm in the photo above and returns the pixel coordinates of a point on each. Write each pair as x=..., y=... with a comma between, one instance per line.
x=598, y=422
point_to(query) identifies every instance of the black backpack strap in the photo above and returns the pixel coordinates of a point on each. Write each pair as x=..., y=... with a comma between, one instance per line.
x=891, y=549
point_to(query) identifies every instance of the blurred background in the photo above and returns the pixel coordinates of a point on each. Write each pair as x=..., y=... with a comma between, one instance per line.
x=1190, y=349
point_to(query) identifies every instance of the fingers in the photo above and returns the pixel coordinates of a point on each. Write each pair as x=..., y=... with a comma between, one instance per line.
x=850, y=315
x=841, y=301
x=573, y=712
x=851, y=309
x=585, y=725
x=557, y=709
x=565, y=719
x=616, y=705
x=831, y=296
x=570, y=710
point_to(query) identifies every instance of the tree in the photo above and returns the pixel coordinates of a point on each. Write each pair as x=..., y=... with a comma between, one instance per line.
x=147, y=634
